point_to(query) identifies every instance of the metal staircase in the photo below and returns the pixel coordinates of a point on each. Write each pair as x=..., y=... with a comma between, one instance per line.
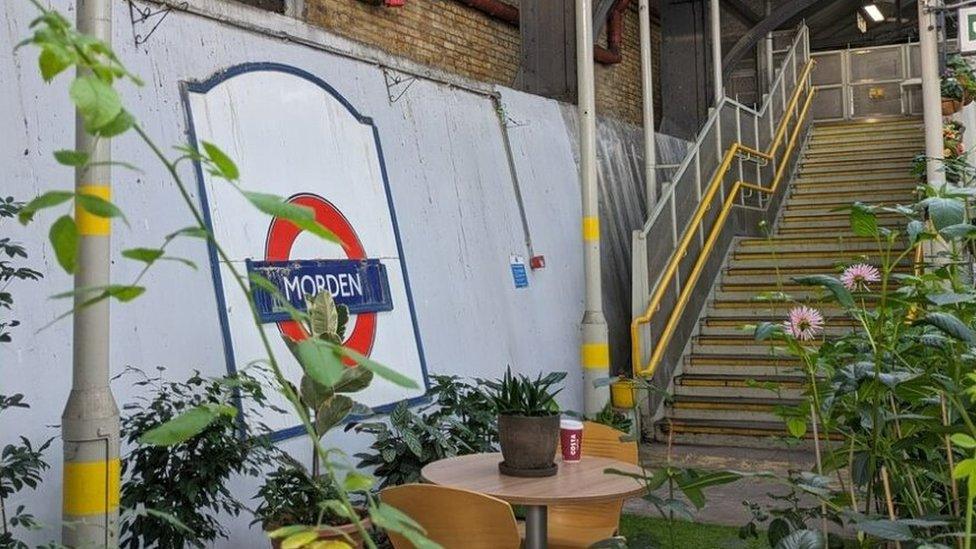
x=727, y=386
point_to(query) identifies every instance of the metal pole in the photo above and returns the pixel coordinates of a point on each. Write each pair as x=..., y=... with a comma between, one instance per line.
x=931, y=94
x=714, y=15
x=647, y=86
x=90, y=422
x=594, y=351
x=768, y=54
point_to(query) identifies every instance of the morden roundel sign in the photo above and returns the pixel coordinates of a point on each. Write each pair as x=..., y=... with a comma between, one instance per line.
x=294, y=136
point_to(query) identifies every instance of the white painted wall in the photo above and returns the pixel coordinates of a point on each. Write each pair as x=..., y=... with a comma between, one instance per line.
x=451, y=185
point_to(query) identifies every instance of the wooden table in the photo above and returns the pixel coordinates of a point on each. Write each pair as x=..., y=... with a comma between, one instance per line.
x=575, y=483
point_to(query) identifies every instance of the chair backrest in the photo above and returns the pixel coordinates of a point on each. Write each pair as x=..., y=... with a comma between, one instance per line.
x=604, y=441
x=454, y=518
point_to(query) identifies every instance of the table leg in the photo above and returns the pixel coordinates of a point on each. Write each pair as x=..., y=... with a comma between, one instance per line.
x=536, y=528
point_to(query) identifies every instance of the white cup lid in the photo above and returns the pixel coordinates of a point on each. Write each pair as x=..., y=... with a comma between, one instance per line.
x=570, y=424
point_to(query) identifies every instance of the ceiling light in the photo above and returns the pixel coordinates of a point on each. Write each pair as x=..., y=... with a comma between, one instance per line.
x=874, y=13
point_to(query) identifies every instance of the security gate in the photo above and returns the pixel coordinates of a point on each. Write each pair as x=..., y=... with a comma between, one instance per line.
x=867, y=82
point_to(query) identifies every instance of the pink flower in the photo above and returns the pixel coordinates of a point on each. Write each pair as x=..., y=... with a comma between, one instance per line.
x=804, y=323
x=857, y=277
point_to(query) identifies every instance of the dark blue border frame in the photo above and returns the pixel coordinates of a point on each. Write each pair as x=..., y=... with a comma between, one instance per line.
x=188, y=87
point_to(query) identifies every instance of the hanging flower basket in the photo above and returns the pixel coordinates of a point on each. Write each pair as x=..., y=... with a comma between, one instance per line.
x=950, y=106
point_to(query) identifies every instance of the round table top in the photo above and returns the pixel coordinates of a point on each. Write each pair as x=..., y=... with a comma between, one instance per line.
x=582, y=482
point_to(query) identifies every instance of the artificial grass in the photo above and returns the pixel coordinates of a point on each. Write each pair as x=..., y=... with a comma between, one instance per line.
x=650, y=532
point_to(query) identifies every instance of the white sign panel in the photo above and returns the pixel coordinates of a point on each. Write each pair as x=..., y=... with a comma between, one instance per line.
x=967, y=30
x=293, y=135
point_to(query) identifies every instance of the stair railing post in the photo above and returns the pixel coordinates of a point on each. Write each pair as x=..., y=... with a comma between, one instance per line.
x=594, y=349
x=647, y=89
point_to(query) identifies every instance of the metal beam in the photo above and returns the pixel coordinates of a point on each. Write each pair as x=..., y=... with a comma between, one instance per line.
x=777, y=18
x=742, y=11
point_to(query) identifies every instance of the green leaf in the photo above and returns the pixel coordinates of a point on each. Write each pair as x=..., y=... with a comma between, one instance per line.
x=192, y=232
x=390, y=518
x=303, y=217
x=320, y=361
x=146, y=255
x=98, y=206
x=54, y=59
x=300, y=539
x=950, y=325
x=323, y=315
x=384, y=372
x=945, y=212
x=802, y=539
x=864, y=222
x=958, y=231
x=885, y=529
x=965, y=468
x=354, y=380
x=46, y=200
x=64, y=240
x=226, y=167
x=797, y=426
x=331, y=413
x=124, y=293
x=915, y=230
x=71, y=158
x=765, y=330
x=97, y=102
x=185, y=426
x=950, y=298
x=119, y=125
x=835, y=286
x=358, y=482
x=963, y=440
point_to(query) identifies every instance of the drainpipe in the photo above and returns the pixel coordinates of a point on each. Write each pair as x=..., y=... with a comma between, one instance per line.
x=768, y=54
x=612, y=54
x=90, y=422
x=647, y=87
x=931, y=94
x=714, y=16
x=594, y=352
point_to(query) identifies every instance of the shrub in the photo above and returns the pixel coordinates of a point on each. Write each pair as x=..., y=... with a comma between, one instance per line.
x=183, y=486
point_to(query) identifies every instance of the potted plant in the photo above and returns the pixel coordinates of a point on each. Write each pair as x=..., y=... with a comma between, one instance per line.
x=528, y=423
x=964, y=75
x=952, y=93
x=293, y=496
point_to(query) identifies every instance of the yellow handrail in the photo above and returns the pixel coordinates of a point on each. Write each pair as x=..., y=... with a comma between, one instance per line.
x=714, y=185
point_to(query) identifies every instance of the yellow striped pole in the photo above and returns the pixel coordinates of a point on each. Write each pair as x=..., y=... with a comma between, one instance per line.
x=594, y=352
x=90, y=422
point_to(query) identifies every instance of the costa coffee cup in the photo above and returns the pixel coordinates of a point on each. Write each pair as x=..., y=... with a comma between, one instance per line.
x=571, y=440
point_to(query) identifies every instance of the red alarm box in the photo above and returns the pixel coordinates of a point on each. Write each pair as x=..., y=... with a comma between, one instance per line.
x=395, y=3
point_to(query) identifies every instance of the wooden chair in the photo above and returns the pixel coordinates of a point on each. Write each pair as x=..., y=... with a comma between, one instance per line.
x=577, y=526
x=454, y=518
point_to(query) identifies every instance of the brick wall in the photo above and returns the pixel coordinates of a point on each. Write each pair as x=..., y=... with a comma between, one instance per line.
x=453, y=37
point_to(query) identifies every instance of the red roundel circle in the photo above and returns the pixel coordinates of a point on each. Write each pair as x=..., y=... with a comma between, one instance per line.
x=281, y=237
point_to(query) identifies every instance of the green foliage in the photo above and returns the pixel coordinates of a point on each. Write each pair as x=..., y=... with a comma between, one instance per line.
x=21, y=467
x=460, y=420
x=518, y=395
x=184, y=482
x=291, y=496
x=612, y=418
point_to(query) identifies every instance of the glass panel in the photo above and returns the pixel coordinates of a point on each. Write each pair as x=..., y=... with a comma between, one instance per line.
x=914, y=61
x=828, y=69
x=828, y=103
x=875, y=64
x=876, y=99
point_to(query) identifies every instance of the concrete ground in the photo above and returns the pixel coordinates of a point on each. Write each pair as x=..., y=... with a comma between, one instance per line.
x=724, y=504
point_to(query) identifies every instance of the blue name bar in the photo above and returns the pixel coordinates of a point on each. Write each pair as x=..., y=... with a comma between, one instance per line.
x=360, y=284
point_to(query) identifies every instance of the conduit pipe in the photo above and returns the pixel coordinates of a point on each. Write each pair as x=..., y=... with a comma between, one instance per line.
x=610, y=55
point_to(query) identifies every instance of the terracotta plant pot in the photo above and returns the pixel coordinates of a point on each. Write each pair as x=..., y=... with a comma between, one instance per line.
x=950, y=106
x=336, y=534
x=528, y=445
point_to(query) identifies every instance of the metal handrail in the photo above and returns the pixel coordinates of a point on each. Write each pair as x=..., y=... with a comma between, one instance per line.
x=704, y=205
x=713, y=119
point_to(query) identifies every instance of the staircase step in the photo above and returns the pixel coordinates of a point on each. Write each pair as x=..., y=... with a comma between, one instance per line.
x=825, y=202
x=903, y=156
x=721, y=328
x=905, y=147
x=731, y=385
x=876, y=125
x=837, y=193
x=892, y=176
x=903, y=165
x=722, y=407
x=729, y=432
x=854, y=138
x=830, y=243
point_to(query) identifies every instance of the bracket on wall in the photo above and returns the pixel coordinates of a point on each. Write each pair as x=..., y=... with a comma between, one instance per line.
x=147, y=16
x=396, y=84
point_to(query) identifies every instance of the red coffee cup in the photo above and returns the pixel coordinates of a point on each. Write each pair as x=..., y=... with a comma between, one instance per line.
x=571, y=440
